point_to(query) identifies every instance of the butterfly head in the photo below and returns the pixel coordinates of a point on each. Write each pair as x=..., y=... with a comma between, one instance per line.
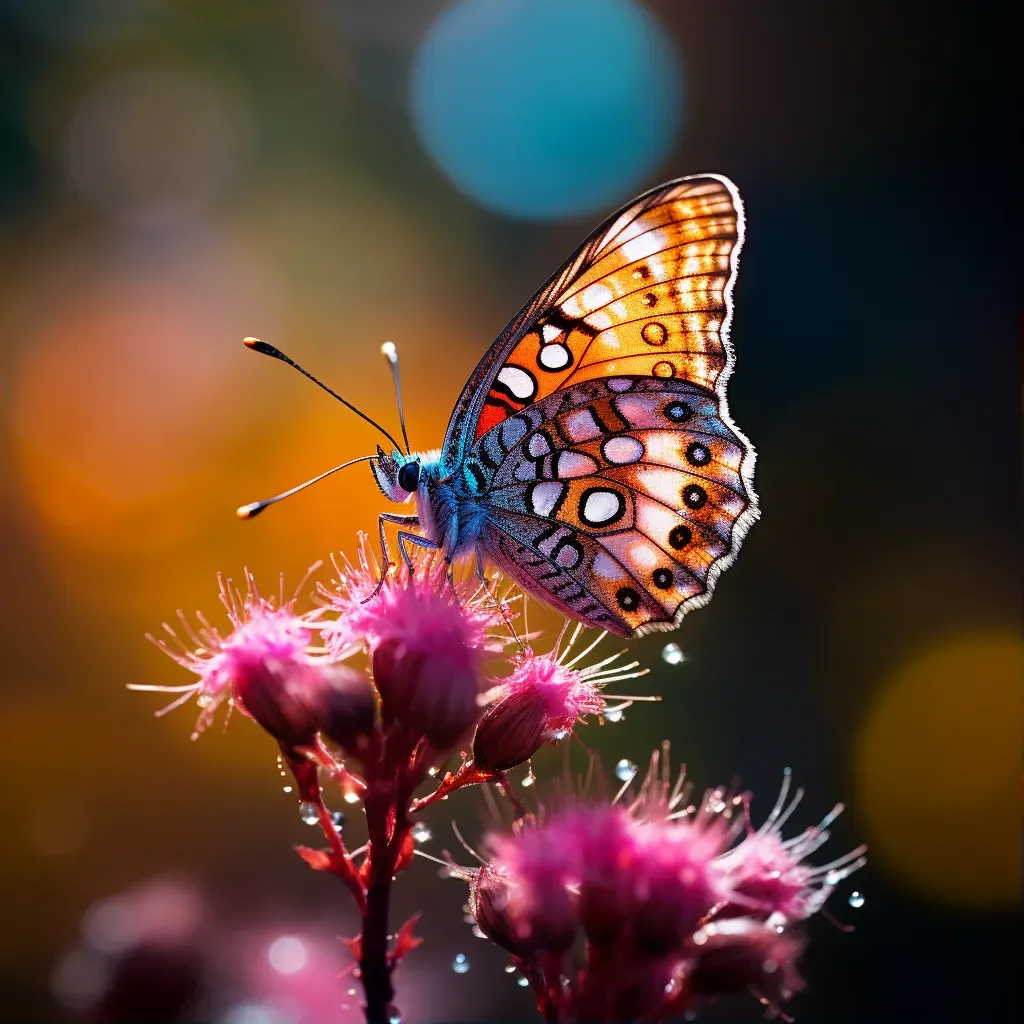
x=397, y=475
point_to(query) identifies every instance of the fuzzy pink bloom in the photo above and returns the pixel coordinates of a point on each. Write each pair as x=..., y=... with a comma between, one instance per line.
x=427, y=637
x=426, y=603
x=543, y=699
x=266, y=666
x=668, y=919
x=767, y=875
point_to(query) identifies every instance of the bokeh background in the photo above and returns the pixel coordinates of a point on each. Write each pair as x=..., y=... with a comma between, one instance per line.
x=329, y=174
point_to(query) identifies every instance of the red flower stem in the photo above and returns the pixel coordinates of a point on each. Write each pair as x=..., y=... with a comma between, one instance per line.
x=389, y=788
x=466, y=775
x=517, y=804
x=307, y=781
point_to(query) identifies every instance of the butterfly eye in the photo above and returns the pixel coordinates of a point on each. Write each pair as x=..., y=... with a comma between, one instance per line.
x=409, y=476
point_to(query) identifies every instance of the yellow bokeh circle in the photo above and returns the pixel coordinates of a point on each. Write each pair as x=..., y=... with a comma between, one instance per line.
x=938, y=771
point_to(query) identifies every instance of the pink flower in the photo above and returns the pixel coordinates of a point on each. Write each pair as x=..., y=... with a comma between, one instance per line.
x=543, y=699
x=427, y=637
x=667, y=918
x=425, y=602
x=267, y=667
x=767, y=875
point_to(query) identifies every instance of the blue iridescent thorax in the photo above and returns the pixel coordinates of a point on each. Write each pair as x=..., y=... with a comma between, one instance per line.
x=449, y=506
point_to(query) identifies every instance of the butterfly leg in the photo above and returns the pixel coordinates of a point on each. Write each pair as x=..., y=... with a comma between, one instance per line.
x=404, y=537
x=385, y=554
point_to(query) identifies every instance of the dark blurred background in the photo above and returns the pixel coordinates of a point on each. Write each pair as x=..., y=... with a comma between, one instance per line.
x=329, y=174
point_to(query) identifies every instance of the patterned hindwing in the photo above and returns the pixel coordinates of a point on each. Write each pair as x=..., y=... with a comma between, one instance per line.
x=622, y=499
x=647, y=294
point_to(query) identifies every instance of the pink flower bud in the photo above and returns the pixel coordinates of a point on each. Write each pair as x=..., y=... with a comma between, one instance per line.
x=489, y=899
x=346, y=709
x=430, y=688
x=280, y=696
x=747, y=954
x=510, y=732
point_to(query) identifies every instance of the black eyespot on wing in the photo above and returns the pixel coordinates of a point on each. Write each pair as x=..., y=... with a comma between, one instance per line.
x=694, y=496
x=663, y=578
x=628, y=598
x=679, y=536
x=698, y=454
x=678, y=412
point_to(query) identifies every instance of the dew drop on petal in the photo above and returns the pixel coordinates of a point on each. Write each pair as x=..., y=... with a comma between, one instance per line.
x=529, y=780
x=337, y=820
x=856, y=900
x=614, y=715
x=523, y=982
x=351, y=797
x=672, y=654
x=625, y=770
x=309, y=812
x=510, y=968
x=421, y=832
x=287, y=789
x=460, y=965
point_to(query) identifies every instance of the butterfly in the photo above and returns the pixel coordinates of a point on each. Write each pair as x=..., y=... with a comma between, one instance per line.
x=591, y=456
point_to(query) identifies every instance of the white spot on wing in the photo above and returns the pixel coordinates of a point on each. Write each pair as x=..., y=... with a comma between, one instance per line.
x=571, y=464
x=518, y=381
x=643, y=245
x=621, y=451
x=549, y=332
x=595, y=296
x=601, y=507
x=554, y=357
x=544, y=496
x=538, y=445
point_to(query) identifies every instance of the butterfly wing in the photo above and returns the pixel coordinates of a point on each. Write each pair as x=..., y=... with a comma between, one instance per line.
x=647, y=293
x=595, y=431
x=620, y=500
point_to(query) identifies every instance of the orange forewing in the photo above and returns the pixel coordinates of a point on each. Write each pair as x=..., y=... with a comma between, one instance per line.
x=650, y=301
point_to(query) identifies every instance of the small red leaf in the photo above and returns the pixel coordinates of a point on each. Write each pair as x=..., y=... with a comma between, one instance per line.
x=355, y=947
x=405, y=853
x=318, y=860
x=405, y=941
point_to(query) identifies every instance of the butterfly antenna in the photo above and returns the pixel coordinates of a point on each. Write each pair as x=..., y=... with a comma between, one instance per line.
x=256, y=507
x=390, y=353
x=265, y=348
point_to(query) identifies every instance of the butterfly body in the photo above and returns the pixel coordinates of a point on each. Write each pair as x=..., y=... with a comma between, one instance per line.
x=591, y=456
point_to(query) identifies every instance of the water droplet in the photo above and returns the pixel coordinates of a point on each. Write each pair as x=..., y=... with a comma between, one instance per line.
x=529, y=780
x=672, y=654
x=557, y=737
x=460, y=965
x=625, y=770
x=287, y=789
x=510, y=968
x=351, y=797
x=394, y=1017
x=421, y=832
x=431, y=771
x=769, y=967
x=309, y=812
x=856, y=900
x=833, y=878
x=351, y=991
x=337, y=820
x=614, y=715
x=523, y=982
